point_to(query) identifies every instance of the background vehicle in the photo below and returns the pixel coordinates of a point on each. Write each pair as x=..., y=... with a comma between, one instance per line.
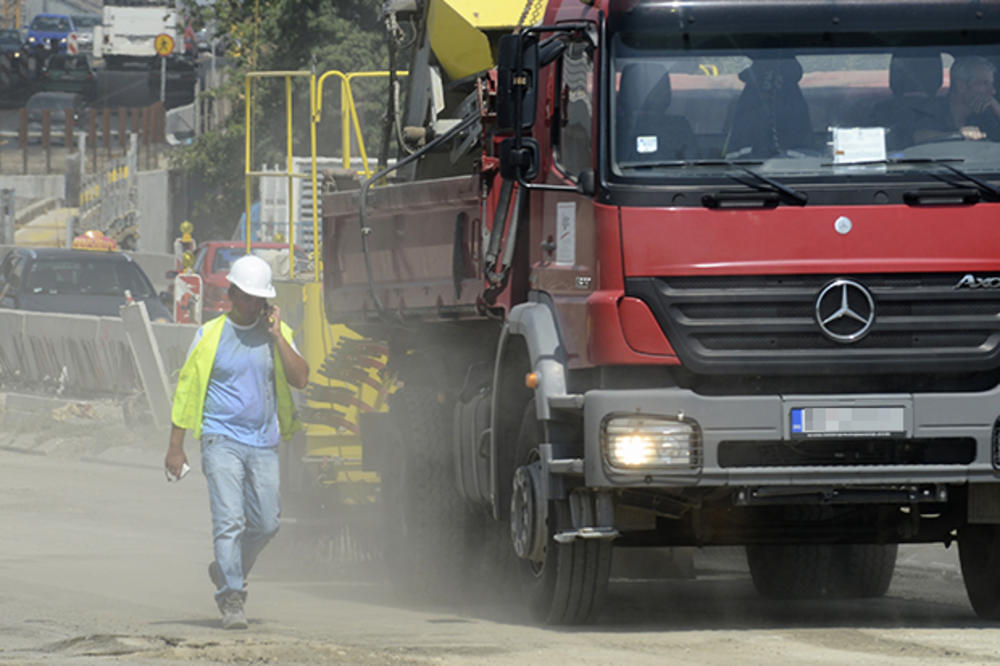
x=85, y=24
x=182, y=75
x=646, y=284
x=213, y=259
x=57, y=104
x=71, y=74
x=11, y=43
x=130, y=27
x=49, y=31
x=74, y=282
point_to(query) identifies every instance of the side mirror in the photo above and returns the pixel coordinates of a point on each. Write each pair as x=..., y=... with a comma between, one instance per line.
x=586, y=183
x=519, y=164
x=166, y=299
x=513, y=84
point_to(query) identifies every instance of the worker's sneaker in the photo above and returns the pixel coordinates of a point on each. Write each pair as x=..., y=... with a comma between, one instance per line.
x=215, y=573
x=232, y=612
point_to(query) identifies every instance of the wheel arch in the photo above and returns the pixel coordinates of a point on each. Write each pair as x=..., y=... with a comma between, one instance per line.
x=529, y=342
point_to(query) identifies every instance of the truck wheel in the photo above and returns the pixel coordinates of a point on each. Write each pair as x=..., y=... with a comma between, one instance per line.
x=979, y=556
x=424, y=518
x=567, y=584
x=812, y=571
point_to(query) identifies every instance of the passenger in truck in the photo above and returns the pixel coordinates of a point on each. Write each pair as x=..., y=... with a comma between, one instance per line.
x=972, y=103
x=771, y=116
x=914, y=107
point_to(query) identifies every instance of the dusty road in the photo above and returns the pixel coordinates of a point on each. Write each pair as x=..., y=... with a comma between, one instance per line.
x=102, y=561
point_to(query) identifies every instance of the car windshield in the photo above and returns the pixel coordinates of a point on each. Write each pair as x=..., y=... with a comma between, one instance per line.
x=225, y=256
x=801, y=111
x=10, y=38
x=81, y=276
x=86, y=21
x=50, y=24
x=51, y=102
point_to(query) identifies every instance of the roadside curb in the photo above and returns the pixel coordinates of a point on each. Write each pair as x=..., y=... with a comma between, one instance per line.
x=35, y=210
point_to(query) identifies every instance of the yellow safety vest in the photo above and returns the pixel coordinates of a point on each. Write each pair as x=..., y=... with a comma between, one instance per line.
x=192, y=385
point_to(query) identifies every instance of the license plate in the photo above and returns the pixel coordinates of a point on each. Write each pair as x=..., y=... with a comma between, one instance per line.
x=847, y=421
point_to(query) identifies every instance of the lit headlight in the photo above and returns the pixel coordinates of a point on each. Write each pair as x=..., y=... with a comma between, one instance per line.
x=633, y=442
x=31, y=39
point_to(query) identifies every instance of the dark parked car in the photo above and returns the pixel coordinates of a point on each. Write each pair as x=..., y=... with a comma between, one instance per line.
x=70, y=73
x=74, y=282
x=11, y=43
x=57, y=103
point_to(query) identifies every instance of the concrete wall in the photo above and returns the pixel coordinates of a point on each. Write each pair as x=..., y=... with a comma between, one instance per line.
x=154, y=210
x=35, y=187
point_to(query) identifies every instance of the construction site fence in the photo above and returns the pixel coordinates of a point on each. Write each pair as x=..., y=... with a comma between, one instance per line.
x=41, y=144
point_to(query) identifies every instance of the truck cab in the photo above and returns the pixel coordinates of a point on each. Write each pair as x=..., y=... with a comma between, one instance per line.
x=716, y=273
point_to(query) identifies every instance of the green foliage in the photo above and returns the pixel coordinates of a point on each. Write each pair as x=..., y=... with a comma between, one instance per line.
x=345, y=35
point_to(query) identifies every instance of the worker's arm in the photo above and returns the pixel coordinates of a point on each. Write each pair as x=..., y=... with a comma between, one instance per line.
x=175, y=451
x=296, y=368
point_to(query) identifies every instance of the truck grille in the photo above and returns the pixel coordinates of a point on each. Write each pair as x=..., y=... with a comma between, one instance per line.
x=769, y=325
x=827, y=451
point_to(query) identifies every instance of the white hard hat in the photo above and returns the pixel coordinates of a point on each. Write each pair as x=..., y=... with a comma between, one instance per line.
x=252, y=275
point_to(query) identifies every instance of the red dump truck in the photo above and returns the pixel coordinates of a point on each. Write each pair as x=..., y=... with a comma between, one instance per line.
x=685, y=273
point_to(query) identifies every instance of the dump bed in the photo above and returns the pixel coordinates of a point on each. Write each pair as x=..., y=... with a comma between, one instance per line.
x=423, y=248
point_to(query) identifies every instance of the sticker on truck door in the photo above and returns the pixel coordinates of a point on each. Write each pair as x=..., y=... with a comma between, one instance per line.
x=566, y=233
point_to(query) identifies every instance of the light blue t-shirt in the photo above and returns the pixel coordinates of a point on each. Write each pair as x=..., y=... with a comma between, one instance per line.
x=240, y=403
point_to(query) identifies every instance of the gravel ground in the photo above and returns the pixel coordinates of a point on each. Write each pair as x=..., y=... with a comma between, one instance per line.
x=104, y=562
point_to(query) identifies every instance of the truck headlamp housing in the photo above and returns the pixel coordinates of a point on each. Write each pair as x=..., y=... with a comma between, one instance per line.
x=635, y=442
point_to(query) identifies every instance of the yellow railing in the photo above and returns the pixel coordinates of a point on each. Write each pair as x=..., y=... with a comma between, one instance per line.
x=349, y=117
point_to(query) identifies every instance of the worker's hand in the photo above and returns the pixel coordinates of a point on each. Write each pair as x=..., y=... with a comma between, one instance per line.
x=274, y=322
x=175, y=461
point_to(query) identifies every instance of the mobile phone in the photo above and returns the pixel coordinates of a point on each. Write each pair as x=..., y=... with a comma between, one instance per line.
x=185, y=468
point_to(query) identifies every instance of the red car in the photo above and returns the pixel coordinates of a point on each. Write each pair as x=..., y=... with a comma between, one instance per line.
x=212, y=260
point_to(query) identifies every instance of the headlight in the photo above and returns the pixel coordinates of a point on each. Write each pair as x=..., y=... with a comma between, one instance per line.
x=31, y=39
x=640, y=441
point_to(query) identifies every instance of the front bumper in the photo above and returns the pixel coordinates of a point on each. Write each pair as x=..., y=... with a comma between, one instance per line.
x=932, y=416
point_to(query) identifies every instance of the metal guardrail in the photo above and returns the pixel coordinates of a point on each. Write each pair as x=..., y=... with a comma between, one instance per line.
x=80, y=356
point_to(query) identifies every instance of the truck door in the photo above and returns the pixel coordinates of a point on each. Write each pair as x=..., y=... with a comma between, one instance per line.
x=562, y=221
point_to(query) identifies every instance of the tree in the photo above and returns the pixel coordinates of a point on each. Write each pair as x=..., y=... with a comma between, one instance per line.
x=345, y=35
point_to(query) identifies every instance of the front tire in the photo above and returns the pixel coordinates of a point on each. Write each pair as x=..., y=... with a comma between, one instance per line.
x=979, y=556
x=814, y=571
x=568, y=584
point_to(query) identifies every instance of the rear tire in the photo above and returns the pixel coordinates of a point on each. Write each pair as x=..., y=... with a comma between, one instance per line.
x=979, y=556
x=426, y=522
x=569, y=585
x=813, y=571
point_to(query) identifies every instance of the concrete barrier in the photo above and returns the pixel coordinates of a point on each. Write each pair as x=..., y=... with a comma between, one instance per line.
x=80, y=356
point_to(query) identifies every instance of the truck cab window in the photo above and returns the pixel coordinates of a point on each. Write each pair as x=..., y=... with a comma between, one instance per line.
x=573, y=129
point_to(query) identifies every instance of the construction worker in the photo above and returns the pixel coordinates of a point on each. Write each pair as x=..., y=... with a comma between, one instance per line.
x=233, y=392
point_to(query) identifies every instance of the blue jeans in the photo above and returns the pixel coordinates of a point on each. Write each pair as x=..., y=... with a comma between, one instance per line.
x=244, y=495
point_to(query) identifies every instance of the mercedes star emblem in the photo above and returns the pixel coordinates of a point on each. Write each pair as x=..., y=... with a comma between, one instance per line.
x=845, y=310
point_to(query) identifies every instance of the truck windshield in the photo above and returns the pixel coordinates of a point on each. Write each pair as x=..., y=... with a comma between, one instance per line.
x=864, y=110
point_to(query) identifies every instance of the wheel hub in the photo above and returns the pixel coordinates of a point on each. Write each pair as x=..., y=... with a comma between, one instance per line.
x=527, y=515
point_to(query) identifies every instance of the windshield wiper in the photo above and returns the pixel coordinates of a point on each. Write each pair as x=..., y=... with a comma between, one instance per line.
x=791, y=196
x=988, y=190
